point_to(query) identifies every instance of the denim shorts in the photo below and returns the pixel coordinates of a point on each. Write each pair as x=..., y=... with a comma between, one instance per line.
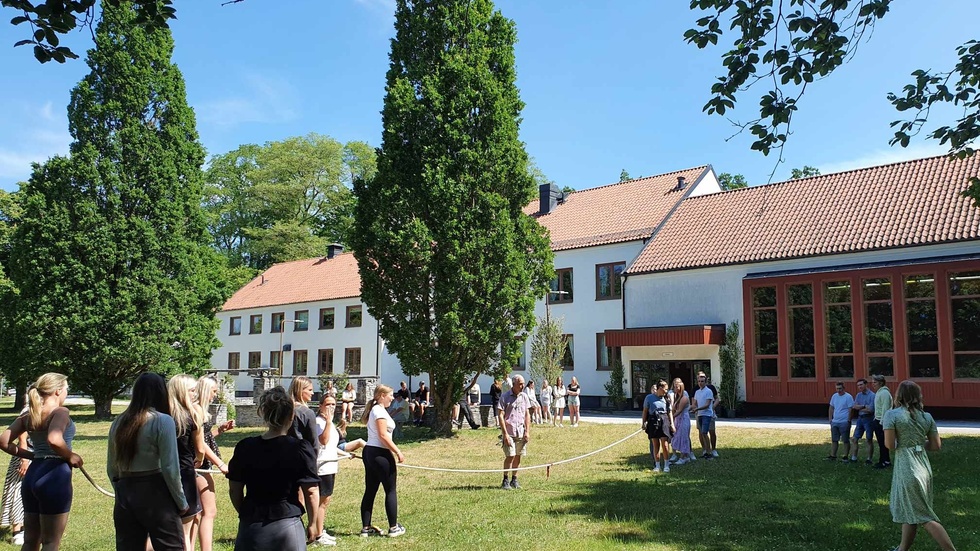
x=704, y=423
x=864, y=426
x=839, y=430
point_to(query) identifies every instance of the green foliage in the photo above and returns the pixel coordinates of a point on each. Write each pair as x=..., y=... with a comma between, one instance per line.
x=805, y=172
x=111, y=251
x=732, y=358
x=450, y=265
x=548, y=345
x=624, y=176
x=732, y=181
x=284, y=200
x=614, y=386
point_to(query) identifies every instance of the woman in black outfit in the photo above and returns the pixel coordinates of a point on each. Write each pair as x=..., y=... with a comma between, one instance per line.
x=266, y=475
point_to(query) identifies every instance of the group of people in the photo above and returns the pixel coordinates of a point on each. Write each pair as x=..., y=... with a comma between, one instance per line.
x=865, y=410
x=666, y=419
x=546, y=406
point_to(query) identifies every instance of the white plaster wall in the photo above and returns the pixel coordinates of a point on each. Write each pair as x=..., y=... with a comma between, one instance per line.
x=708, y=184
x=338, y=338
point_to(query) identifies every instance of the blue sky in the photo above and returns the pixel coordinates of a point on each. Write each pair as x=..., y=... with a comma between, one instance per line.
x=606, y=87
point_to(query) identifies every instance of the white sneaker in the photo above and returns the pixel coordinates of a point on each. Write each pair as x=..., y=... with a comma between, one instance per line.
x=19, y=538
x=693, y=457
x=666, y=467
x=714, y=453
x=681, y=461
x=326, y=540
x=656, y=468
x=673, y=458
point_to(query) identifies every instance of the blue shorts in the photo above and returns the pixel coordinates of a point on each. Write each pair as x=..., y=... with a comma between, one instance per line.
x=838, y=431
x=864, y=426
x=46, y=489
x=704, y=423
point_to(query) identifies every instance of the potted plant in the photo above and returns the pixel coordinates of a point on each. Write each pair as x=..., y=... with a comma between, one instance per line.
x=614, y=386
x=732, y=358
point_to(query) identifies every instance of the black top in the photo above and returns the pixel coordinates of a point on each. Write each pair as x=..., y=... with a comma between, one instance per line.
x=272, y=471
x=495, y=396
x=422, y=395
x=185, y=447
x=574, y=388
x=304, y=426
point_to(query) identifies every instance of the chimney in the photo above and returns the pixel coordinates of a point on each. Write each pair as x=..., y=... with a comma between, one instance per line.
x=681, y=182
x=550, y=196
x=334, y=249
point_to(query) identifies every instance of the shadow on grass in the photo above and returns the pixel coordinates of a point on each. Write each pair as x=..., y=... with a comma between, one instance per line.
x=780, y=497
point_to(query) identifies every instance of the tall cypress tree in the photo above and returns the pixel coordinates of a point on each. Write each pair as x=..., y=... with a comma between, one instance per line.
x=111, y=252
x=450, y=265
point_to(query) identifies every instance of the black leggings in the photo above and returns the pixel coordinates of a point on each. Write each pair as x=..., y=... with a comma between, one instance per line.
x=379, y=469
x=883, y=455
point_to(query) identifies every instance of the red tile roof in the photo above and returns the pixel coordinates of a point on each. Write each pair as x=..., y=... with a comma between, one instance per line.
x=898, y=205
x=626, y=211
x=308, y=280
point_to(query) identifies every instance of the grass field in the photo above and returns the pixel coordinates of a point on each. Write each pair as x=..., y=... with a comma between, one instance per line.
x=770, y=489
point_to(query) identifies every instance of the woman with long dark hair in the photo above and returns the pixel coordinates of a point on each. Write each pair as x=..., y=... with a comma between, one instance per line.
x=910, y=431
x=263, y=475
x=46, y=490
x=142, y=464
x=379, y=463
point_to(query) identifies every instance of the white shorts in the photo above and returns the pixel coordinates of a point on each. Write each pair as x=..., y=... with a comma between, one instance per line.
x=517, y=447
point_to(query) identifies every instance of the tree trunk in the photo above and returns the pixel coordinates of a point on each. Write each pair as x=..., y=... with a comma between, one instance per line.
x=20, y=397
x=103, y=407
x=444, y=411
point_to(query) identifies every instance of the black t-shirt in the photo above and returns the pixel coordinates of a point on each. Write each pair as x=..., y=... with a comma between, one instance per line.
x=422, y=395
x=186, y=451
x=495, y=396
x=272, y=471
x=304, y=426
x=574, y=388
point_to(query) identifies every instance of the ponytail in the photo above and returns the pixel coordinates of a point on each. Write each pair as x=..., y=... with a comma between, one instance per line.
x=45, y=386
x=33, y=408
x=379, y=391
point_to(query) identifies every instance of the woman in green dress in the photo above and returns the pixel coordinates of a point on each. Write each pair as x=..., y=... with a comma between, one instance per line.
x=910, y=431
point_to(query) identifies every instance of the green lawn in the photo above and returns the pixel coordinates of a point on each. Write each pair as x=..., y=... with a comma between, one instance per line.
x=770, y=490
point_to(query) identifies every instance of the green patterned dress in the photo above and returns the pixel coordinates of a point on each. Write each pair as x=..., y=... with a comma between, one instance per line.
x=911, y=496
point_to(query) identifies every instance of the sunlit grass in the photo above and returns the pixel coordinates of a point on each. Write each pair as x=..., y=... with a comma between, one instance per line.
x=770, y=489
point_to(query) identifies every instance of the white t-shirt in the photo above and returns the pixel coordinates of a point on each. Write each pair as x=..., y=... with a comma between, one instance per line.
x=378, y=412
x=475, y=390
x=326, y=458
x=703, y=396
x=842, y=407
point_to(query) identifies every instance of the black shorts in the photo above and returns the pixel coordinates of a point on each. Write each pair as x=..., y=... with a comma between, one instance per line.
x=326, y=484
x=663, y=431
x=188, y=481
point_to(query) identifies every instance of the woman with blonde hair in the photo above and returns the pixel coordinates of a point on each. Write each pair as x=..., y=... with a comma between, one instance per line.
x=188, y=420
x=304, y=420
x=347, y=398
x=142, y=464
x=46, y=490
x=379, y=463
x=263, y=475
x=681, y=441
x=910, y=431
x=207, y=390
x=574, y=401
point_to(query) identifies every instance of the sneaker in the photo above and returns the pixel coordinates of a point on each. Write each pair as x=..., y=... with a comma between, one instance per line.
x=19, y=538
x=880, y=466
x=714, y=453
x=854, y=459
x=831, y=458
x=693, y=457
x=673, y=458
x=515, y=484
x=326, y=537
x=844, y=460
x=396, y=530
x=371, y=531
x=682, y=461
x=656, y=469
x=666, y=467
x=321, y=540
x=868, y=462
x=505, y=485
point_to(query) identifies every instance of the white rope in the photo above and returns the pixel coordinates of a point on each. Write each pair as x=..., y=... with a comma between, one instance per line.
x=542, y=466
x=101, y=490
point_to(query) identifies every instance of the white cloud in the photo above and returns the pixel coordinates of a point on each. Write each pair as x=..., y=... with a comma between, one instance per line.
x=32, y=138
x=264, y=99
x=886, y=156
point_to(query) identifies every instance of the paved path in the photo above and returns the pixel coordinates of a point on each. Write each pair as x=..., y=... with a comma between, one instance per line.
x=633, y=417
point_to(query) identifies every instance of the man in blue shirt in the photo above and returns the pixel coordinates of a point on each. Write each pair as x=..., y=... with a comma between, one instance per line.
x=864, y=407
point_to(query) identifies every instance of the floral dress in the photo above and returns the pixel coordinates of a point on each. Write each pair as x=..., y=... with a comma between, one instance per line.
x=911, y=495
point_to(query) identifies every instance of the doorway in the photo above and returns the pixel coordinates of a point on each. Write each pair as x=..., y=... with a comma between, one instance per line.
x=647, y=372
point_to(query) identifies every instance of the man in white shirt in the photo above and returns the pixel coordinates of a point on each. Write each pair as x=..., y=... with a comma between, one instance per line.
x=839, y=415
x=704, y=405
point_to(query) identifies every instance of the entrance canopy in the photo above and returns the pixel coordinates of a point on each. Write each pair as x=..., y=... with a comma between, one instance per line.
x=666, y=336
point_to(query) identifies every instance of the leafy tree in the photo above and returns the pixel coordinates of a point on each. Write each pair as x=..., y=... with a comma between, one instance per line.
x=284, y=200
x=10, y=365
x=449, y=264
x=804, y=172
x=788, y=45
x=731, y=356
x=548, y=345
x=624, y=176
x=111, y=251
x=614, y=386
x=731, y=181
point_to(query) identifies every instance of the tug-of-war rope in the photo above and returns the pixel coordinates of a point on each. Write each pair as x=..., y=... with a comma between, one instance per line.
x=345, y=455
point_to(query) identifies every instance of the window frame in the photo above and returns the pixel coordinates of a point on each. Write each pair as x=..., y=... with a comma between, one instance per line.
x=559, y=292
x=348, y=360
x=305, y=355
x=279, y=327
x=300, y=324
x=351, y=309
x=612, y=284
x=333, y=320
x=231, y=326
x=252, y=330
x=320, y=354
x=234, y=363
x=569, y=352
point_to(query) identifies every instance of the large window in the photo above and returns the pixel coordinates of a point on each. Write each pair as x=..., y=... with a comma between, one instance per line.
x=274, y=360
x=352, y=361
x=235, y=326
x=921, y=327
x=234, y=362
x=326, y=318
x=766, y=339
x=608, y=284
x=568, y=358
x=254, y=362
x=964, y=292
x=302, y=320
x=802, y=351
x=255, y=324
x=277, y=322
x=878, y=327
x=300, y=362
x=605, y=355
x=839, y=329
x=324, y=361
x=561, y=287
x=354, y=316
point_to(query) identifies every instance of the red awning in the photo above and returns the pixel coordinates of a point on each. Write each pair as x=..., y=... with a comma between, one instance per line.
x=666, y=336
